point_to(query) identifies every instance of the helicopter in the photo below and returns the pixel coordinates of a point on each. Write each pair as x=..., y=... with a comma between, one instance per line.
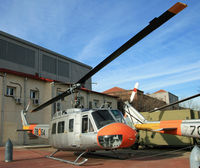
x=85, y=130
x=188, y=128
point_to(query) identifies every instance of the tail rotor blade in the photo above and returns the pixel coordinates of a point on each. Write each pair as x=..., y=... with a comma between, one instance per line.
x=134, y=92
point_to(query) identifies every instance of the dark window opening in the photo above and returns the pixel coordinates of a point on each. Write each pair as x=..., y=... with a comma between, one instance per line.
x=15, y=53
x=61, y=127
x=10, y=91
x=53, y=131
x=63, y=68
x=71, y=125
x=86, y=125
x=49, y=64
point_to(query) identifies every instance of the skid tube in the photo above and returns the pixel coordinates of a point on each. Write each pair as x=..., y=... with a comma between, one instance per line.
x=67, y=161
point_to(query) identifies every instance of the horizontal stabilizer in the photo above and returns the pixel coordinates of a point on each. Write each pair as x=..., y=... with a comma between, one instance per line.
x=24, y=130
x=164, y=129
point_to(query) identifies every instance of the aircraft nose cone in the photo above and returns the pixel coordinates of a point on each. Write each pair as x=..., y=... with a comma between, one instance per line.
x=116, y=135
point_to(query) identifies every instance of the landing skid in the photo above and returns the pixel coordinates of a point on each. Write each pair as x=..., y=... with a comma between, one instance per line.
x=67, y=161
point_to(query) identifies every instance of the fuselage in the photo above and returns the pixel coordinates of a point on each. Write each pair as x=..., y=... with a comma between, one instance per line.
x=82, y=129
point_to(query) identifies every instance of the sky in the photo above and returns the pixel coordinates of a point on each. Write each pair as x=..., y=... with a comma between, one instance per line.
x=89, y=30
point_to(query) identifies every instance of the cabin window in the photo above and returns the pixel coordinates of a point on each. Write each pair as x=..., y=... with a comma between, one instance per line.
x=61, y=126
x=86, y=125
x=91, y=129
x=71, y=125
x=53, y=131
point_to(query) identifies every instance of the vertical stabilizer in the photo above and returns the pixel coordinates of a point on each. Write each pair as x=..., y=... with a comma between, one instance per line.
x=23, y=117
x=133, y=114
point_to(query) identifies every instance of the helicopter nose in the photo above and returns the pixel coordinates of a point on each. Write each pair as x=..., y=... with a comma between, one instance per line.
x=116, y=135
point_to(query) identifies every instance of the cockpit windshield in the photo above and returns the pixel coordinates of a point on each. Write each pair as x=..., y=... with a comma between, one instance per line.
x=118, y=115
x=102, y=118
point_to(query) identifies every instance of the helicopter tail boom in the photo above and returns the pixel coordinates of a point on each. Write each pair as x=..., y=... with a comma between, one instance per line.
x=40, y=130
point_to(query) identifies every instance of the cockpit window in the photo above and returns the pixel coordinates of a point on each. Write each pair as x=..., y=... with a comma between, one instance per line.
x=118, y=115
x=86, y=125
x=102, y=118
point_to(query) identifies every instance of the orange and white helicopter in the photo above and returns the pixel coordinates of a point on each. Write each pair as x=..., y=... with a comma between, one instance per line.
x=86, y=130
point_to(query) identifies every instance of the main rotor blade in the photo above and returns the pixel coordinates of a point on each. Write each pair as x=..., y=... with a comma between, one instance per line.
x=180, y=101
x=154, y=24
x=66, y=93
x=56, y=98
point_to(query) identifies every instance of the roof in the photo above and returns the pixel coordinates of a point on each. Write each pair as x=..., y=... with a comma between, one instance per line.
x=87, y=90
x=114, y=89
x=160, y=91
x=36, y=77
x=4, y=70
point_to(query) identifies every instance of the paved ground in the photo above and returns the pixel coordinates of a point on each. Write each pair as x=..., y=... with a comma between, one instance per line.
x=143, y=158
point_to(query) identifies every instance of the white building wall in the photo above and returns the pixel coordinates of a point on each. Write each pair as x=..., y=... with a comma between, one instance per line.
x=165, y=96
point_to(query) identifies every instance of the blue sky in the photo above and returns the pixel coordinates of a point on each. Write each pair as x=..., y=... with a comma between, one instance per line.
x=88, y=31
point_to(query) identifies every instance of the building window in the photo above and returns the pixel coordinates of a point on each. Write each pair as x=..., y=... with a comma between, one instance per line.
x=49, y=64
x=58, y=103
x=96, y=103
x=90, y=105
x=109, y=104
x=71, y=125
x=61, y=127
x=34, y=94
x=58, y=106
x=53, y=131
x=10, y=91
x=63, y=68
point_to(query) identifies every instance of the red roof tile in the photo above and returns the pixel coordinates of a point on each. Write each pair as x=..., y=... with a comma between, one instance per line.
x=160, y=91
x=114, y=89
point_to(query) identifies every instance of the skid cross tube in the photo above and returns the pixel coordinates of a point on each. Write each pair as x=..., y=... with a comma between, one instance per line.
x=67, y=161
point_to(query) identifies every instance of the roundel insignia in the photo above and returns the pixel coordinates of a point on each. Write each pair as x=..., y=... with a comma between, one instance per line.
x=39, y=132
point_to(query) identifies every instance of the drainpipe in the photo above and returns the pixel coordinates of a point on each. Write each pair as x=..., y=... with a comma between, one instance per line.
x=53, y=106
x=2, y=109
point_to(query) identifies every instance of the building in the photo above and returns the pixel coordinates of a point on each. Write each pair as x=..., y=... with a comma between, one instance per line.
x=141, y=101
x=167, y=97
x=31, y=73
x=22, y=56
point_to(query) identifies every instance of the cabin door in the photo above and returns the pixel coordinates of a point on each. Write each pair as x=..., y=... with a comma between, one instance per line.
x=88, y=135
x=74, y=131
